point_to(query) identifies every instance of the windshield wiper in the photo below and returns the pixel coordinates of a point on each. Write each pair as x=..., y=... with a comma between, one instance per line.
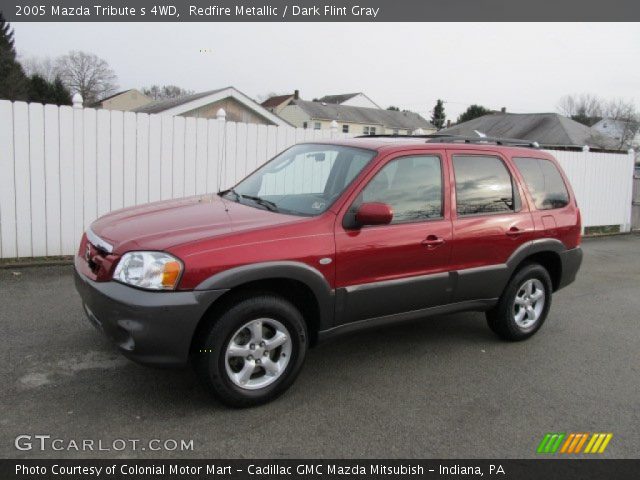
x=268, y=204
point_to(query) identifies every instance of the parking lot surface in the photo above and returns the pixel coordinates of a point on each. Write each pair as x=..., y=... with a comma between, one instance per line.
x=442, y=387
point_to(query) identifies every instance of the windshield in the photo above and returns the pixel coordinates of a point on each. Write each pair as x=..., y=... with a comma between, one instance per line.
x=303, y=180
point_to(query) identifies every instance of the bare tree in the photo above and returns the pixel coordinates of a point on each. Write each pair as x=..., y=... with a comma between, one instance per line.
x=627, y=120
x=584, y=108
x=166, y=91
x=45, y=67
x=589, y=109
x=87, y=74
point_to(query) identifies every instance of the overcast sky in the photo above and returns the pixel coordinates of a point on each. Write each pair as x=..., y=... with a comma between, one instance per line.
x=524, y=67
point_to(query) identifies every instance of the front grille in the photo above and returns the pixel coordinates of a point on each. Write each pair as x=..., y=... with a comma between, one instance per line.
x=95, y=258
x=99, y=263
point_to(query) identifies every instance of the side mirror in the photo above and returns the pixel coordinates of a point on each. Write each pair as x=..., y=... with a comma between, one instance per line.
x=374, y=213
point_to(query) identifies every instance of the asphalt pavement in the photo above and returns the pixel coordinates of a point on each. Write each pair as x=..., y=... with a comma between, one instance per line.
x=442, y=387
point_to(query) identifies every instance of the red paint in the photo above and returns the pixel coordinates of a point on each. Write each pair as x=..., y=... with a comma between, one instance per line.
x=374, y=213
x=211, y=235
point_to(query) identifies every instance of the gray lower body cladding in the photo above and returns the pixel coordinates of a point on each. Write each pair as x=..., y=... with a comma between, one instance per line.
x=157, y=328
x=571, y=261
x=154, y=328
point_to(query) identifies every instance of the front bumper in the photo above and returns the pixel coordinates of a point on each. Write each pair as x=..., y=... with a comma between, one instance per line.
x=154, y=328
x=571, y=261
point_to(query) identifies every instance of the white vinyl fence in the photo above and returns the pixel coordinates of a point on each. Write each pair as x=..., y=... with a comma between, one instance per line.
x=62, y=167
x=603, y=185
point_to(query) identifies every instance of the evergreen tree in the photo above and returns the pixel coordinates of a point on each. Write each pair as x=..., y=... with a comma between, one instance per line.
x=61, y=94
x=39, y=89
x=14, y=84
x=474, y=111
x=42, y=91
x=437, y=115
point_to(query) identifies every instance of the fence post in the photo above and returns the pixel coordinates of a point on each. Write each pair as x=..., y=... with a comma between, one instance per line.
x=77, y=100
x=78, y=167
x=221, y=118
x=632, y=194
x=334, y=129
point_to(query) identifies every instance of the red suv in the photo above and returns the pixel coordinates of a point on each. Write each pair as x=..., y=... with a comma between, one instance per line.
x=327, y=238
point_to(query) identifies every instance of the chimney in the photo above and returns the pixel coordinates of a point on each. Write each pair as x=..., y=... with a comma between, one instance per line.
x=503, y=110
x=296, y=94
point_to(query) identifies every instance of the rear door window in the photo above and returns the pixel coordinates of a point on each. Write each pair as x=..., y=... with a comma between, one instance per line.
x=544, y=182
x=483, y=186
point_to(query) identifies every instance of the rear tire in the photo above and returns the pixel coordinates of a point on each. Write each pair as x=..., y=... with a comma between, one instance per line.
x=524, y=304
x=253, y=351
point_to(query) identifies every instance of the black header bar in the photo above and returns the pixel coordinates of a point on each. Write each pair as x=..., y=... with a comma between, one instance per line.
x=548, y=469
x=321, y=10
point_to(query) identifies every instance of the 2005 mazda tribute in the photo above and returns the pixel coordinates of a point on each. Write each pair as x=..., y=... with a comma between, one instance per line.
x=328, y=238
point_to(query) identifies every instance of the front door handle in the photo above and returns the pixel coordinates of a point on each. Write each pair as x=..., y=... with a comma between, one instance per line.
x=432, y=241
x=514, y=231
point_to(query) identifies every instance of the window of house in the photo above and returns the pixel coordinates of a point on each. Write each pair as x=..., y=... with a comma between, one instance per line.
x=408, y=132
x=372, y=130
x=396, y=131
x=483, y=186
x=544, y=182
x=365, y=130
x=345, y=128
x=304, y=124
x=411, y=186
x=317, y=126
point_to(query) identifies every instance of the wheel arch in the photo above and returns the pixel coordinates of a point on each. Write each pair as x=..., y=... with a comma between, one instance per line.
x=297, y=282
x=545, y=252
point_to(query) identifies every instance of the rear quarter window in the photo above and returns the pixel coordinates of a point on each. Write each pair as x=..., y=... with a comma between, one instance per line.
x=544, y=182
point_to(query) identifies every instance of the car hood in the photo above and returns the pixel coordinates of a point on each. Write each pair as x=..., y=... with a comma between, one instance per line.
x=166, y=224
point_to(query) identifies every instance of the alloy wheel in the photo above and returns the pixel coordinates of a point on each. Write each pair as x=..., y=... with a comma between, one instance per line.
x=529, y=303
x=258, y=353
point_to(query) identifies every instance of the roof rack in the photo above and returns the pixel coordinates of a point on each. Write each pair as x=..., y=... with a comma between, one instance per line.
x=444, y=138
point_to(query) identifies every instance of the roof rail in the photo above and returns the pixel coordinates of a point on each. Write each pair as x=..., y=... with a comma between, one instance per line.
x=445, y=138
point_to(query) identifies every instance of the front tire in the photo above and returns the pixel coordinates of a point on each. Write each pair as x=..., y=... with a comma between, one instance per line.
x=524, y=304
x=253, y=351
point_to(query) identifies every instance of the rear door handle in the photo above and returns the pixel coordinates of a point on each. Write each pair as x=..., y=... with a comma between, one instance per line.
x=432, y=241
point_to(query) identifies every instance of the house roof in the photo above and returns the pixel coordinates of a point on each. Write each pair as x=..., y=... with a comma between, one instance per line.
x=340, y=99
x=275, y=101
x=158, y=106
x=98, y=102
x=343, y=97
x=548, y=129
x=363, y=115
x=180, y=105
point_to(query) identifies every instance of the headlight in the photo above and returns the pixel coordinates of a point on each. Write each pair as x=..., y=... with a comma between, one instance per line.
x=150, y=270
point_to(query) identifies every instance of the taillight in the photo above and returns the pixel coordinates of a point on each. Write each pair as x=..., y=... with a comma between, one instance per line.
x=578, y=239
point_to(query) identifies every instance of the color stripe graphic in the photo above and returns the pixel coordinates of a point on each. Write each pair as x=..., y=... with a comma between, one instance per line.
x=574, y=442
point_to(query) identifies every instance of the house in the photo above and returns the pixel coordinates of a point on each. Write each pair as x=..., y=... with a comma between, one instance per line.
x=352, y=119
x=550, y=130
x=238, y=107
x=126, y=100
x=625, y=132
x=350, y=100
x=277, y=103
